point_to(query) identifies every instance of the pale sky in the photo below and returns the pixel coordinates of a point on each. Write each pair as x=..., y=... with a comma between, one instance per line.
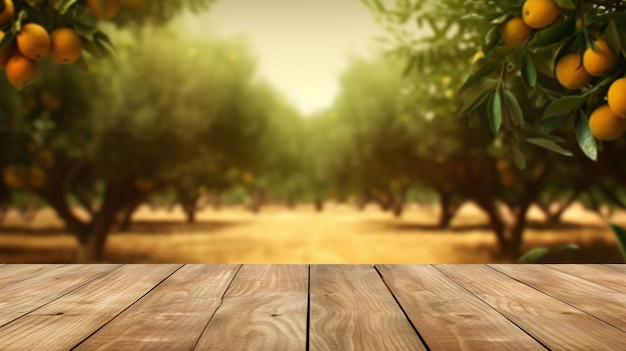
x=302, y=45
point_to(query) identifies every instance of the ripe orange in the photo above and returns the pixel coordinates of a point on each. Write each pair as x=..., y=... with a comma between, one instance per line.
x=616, y=97
x=66, y=45
x=570, y=73
x=514, y=32
x=599, y=62
x=21, y=71
x=33, y=41
x=110, y=9
x=605, y=125
x=539, y=14
x=13, y=176
x=6, y=15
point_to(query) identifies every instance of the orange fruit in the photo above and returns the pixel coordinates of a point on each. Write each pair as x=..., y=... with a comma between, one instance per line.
x=605, y=125
x=539, y=14
x=21, y=71
x=13, y=176
x=599, y=62
x=514, y=32
x=66, y=45
x=570, y=73
x=6, y=15
x=616, y=97
x=33, y=41
x=110, y=9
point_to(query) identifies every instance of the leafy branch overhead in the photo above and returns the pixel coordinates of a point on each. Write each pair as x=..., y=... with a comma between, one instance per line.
x=565, y=56
x=542, y=70
x=31, y=30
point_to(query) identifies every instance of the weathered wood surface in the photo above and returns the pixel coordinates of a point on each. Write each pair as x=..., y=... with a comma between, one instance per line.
x=316, y=307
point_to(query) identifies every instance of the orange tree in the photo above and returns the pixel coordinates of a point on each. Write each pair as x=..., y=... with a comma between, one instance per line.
x=49, y=138
x=525, y=86
x=32, y=30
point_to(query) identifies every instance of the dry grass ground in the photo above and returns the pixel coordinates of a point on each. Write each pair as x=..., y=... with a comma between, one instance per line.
x=340, y=234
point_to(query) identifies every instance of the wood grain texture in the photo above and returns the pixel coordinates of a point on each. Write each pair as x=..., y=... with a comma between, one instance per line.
x=618, y=267
x=447, y=316
x=607, y=304
x=352, y=309
x=265, y=308
x=10, y=274
x=27, y=295
x=552, y=322
x=172, y=316
x=599, y=274
x=70, y=319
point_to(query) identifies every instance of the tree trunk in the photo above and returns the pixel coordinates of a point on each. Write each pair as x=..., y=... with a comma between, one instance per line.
x=92, y=241
x=257, y=201
x=445, y=214
x=190, y=212
x=398, y=208
x=319, y=205
x=30, y=211
x=91, y=248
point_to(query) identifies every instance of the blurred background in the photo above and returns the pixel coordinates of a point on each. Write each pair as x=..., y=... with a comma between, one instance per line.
x=281, y=131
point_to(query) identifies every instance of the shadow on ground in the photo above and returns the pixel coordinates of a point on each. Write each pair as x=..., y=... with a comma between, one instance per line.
x=415, y=228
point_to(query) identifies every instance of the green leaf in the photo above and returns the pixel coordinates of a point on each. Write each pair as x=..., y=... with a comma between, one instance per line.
x=564, y=105
x=612, y=37
x=2, y=6
x=514, y=106
x=566, y=4
x=550, y=124
x=8, y=37
x=495, y=112
x=518, y=157
x=534, y=255
x=586, y=141
x=473, y=98
x=491, y=39
x=529, y=73
x=487, y=69
x=620, y=234
x=62, y=6
x=550, y=145
x=554, y=35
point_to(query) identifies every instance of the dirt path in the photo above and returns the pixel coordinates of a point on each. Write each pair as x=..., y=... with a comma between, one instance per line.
x=277, y=235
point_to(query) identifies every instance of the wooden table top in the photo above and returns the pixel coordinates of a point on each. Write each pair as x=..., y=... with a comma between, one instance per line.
x=312, y=307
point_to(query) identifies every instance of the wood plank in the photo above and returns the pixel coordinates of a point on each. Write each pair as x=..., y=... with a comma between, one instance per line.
x=23, y=297
x=596, y=273
x=352, y=309
x=619, y=267
x=553, y=323
x=447, y=316
x=70, y=319
x=13, y=273
x=265, y=308
x=172, y=316
x=604, y=303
